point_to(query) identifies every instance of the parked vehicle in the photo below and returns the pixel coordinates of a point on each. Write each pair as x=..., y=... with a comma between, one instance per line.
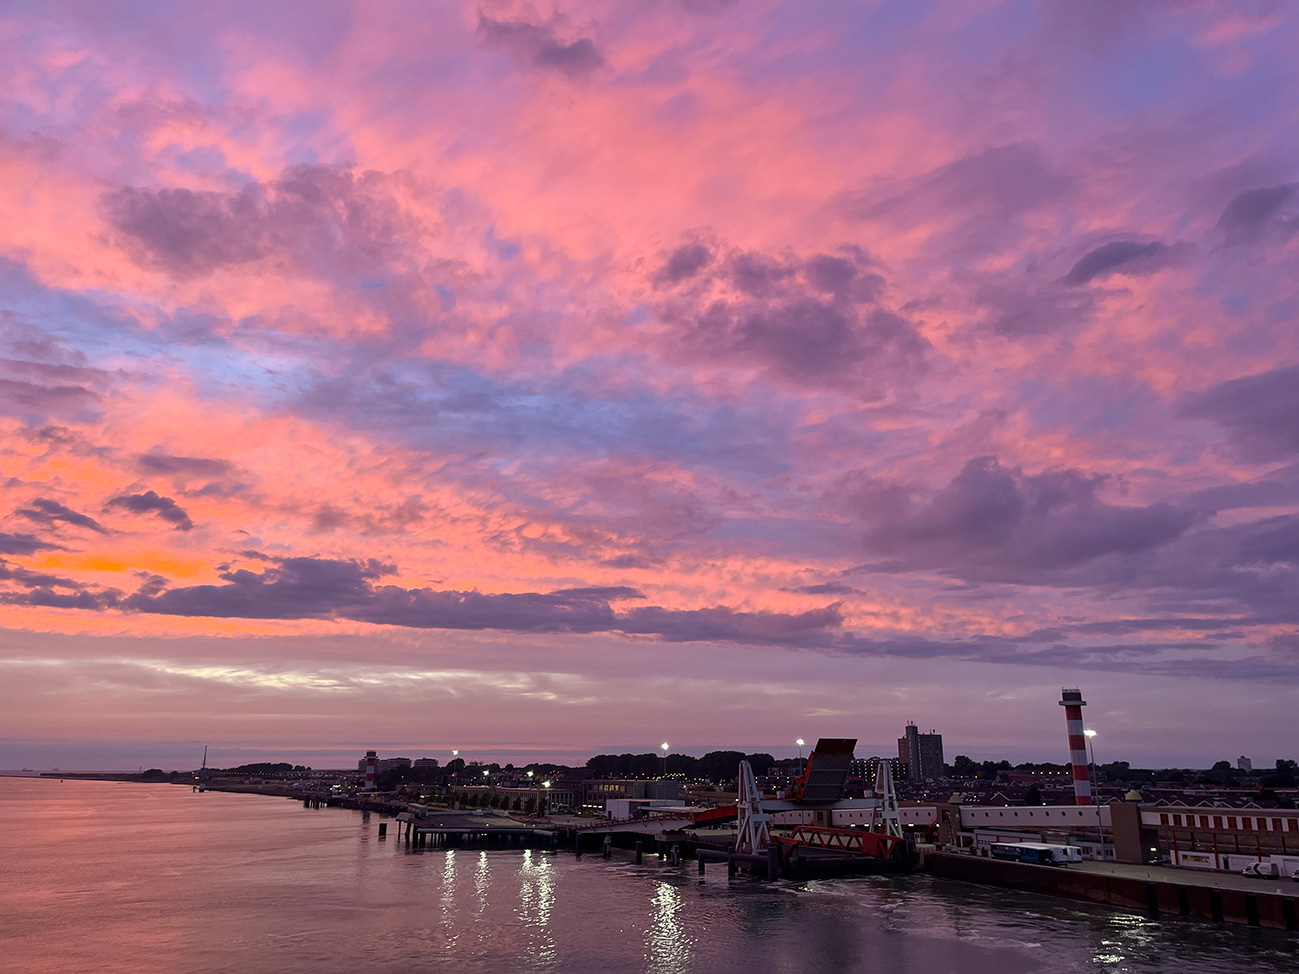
x=1037, y=852
x=1268, y=870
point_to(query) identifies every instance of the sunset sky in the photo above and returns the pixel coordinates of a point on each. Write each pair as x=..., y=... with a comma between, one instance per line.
x=543, y=380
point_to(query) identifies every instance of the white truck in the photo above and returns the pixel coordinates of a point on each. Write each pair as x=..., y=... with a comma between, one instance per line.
x=1274, y=867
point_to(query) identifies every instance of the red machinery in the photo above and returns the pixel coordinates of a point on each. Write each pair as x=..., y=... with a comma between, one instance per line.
x=873, y=844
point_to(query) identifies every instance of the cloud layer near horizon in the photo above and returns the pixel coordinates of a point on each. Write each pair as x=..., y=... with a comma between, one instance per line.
x=884, y=331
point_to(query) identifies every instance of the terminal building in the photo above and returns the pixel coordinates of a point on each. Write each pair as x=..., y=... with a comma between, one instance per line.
x=1201, y=837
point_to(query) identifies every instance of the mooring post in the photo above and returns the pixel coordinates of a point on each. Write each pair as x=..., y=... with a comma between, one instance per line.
x=638, y=851
x=608, y=846
x=383, y=830
x=577, y=844
x=773, y=861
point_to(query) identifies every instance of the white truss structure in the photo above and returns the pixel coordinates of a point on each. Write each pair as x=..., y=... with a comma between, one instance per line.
x=890, y=822
x=754, y=834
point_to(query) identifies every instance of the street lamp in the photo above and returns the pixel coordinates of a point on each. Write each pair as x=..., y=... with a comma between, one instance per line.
x=1094, y=776
x=546, y=803
x=800, y=743
x=665, y=747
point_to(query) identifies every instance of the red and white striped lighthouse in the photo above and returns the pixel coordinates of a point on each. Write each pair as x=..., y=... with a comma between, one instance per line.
x=1073, y=703
x=371, y=764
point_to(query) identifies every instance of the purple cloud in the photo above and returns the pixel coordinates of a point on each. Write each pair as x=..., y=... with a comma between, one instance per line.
x=23, y=544
x=684, y=263
x=304, y=588
x=815, y=322
x=1120, y=256
x=198, y=466
x=1260, y=412
x=152, y=503
x=1249, y=214
x=999, y=183
x=324, y=217
x=539, y=46
x=49, y=512
x=993, y=523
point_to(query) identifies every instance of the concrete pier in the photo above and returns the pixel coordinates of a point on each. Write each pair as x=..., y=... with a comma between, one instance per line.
x=1159, y=893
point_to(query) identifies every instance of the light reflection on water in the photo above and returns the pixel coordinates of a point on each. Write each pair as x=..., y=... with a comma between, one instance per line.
x=536, y=901
x=110, y=877
x=668, y=944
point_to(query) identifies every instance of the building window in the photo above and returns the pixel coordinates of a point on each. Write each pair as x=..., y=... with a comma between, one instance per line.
x=1217, y=821
x=1294, y=825
x=1246, y=825
x=1204, y=821
x=1231, y=821
x=1276, y=824
x=1262, y=825
x=1177, y=820
x=1163, y=818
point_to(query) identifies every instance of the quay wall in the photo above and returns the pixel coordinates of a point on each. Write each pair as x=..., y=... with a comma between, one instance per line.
x=1151, y=898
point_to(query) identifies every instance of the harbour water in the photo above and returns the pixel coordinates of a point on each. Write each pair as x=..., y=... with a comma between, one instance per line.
x=118, y=877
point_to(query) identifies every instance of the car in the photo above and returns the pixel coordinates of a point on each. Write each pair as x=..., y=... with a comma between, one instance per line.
x=1268, y=870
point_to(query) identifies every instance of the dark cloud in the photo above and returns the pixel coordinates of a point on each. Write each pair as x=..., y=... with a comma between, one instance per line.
x=1120, y=256
x=1250, y=213
x=292, y=588
x=152, y=503
x=993, y=523
x=326, y=218
x=539, y=45
x=1247, y=572
x=31, y=579
x=684, y=263
x=19, y=398
x=50, y=591
x=611, y=593
x=48, y=512
x=723, y=624
x=1260, y=412
x=1017, y=307
x=829, y=588
x=1001, y=183
x=814, y=322
x=47, y=598
x=298, y=588
x=23, y=544
x=631, y=560
x=197, y=466
x=524, y=612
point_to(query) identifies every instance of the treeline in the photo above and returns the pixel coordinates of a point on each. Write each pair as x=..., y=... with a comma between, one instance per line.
x=268, y=768
x=716, y=766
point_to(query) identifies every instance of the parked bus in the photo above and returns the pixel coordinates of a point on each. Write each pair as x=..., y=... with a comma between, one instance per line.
x=1037, y=852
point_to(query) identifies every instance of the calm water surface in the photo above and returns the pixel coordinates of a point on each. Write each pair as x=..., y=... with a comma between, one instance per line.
x=108, y=877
